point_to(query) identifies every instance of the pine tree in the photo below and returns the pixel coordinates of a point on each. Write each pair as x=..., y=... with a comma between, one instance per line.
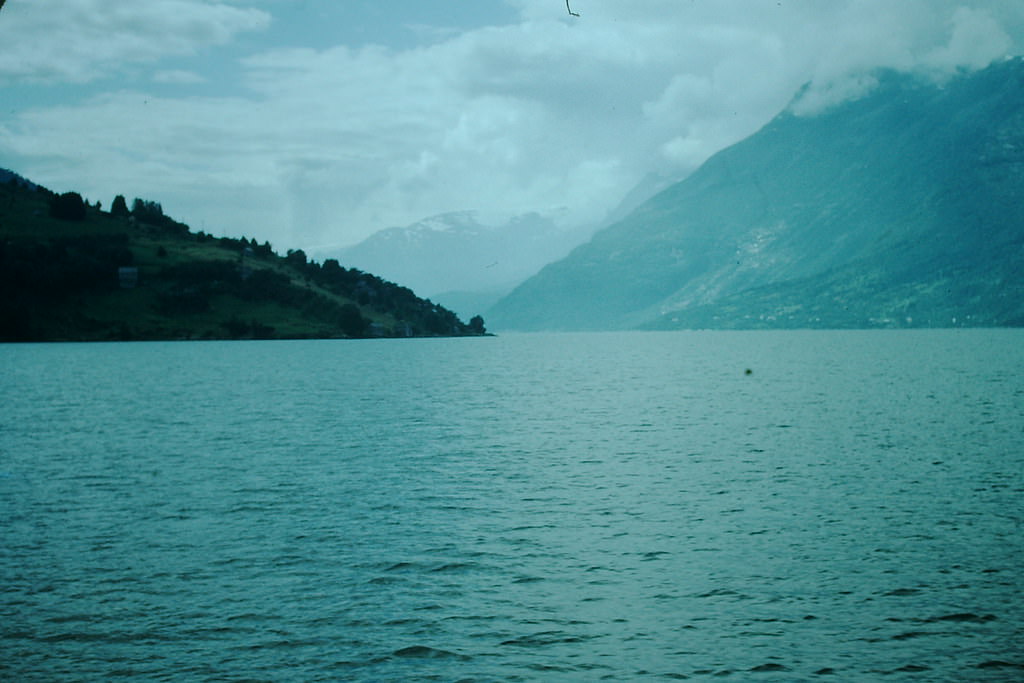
x=119, y=207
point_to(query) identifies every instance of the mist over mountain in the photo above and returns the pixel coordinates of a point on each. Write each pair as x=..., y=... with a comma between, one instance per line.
x=901, y=208
x=460, y=262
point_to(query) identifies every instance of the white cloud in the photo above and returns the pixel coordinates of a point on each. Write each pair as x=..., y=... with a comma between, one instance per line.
x=82, y=40
x=933, y=37
x=553, y=113
x=976, y=40
x=816, y=99
x=178, y=77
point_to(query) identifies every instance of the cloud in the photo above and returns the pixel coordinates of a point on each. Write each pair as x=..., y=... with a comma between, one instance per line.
x=83, y=40
x=976, y=40
x=178, y=77
x=550, y=113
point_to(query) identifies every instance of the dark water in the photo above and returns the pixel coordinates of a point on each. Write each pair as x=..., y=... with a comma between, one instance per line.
x=538, y=507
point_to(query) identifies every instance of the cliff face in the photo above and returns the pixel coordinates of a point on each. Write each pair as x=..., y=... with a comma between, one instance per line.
x=897, y=209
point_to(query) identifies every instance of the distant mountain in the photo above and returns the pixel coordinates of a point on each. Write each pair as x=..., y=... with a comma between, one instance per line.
x=649, y=185
x=455, y=259
x=902, y=208
x=71, y=272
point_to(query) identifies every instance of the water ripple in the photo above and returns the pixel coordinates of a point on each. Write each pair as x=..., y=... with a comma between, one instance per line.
x=578, y=507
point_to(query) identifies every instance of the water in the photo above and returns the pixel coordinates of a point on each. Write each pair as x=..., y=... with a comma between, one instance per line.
x=528, y=507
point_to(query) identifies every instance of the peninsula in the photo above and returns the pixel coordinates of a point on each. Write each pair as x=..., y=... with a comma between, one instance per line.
x=71, y=271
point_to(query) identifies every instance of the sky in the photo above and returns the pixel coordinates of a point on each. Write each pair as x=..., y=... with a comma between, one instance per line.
x=315, y=123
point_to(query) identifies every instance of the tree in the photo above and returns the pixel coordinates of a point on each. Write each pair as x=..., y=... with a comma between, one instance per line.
x=119, y=207
x=68, y=207
x=296, y=257
x=352, y=322
x=148, y=212
x=476, y=325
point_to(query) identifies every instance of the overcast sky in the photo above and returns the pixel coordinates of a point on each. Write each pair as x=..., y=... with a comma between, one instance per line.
x=313, y=123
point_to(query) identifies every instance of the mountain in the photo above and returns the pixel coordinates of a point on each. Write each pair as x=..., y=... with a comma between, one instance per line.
x=902, y=208
x=71, y=272
x=650, y=185
x=457, y=260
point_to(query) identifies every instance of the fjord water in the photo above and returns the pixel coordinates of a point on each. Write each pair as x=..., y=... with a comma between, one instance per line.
x=569, y=507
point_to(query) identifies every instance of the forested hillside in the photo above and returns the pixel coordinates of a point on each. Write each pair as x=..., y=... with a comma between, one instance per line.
x=71, y=271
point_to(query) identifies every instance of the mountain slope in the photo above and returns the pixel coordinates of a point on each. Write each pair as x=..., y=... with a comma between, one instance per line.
x=901, y=208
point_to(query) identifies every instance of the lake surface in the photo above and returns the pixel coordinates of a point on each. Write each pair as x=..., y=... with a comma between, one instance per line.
x=572, y=507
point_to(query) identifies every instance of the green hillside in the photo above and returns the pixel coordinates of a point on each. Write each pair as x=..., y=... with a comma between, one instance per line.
x=70, y=271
